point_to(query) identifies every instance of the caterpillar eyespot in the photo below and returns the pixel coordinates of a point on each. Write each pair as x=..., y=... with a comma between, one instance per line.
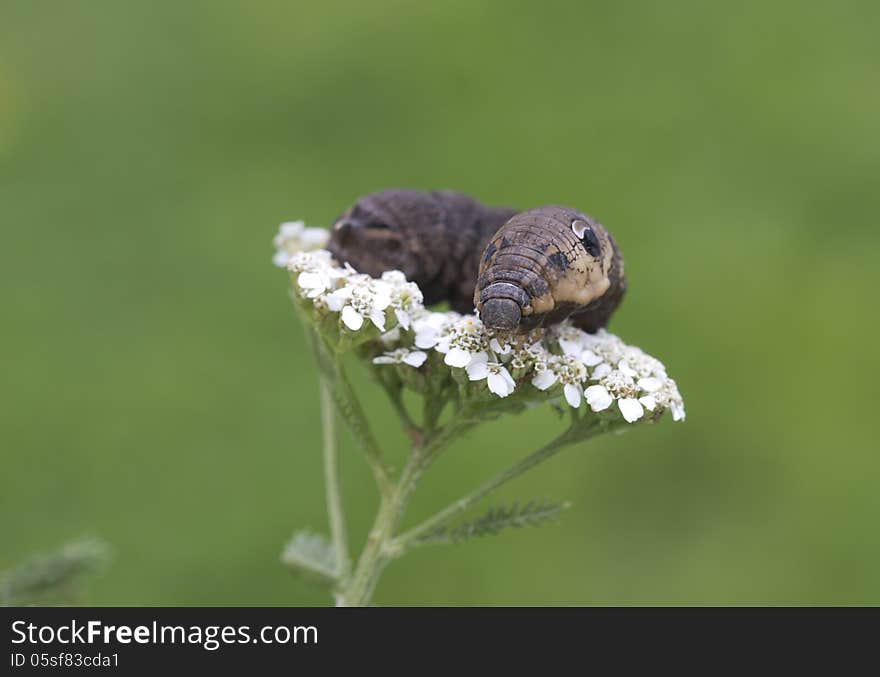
x=520, y=270
x=579, y=227
x=588, y=238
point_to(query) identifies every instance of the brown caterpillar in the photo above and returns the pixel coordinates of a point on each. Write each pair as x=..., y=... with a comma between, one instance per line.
x=520, y=270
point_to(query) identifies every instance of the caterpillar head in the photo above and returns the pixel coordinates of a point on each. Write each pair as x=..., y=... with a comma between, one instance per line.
x=386, y=231
x=547, y=264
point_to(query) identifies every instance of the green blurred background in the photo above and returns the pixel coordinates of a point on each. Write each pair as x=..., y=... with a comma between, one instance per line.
x=157, y=389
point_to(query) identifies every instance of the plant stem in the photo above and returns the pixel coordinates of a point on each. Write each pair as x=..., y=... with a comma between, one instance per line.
x=335, y=511
x=374, y=556
x=378, y=551
x=350, y=409
x=395, y=394
x=332, y=373
x=411, y=537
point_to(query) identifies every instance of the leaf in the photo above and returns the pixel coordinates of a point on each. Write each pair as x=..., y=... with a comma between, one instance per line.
x=313, y=554
x=494, y=520
x=52, y=578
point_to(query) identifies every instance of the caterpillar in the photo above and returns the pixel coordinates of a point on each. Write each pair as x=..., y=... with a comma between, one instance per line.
x=519, y=269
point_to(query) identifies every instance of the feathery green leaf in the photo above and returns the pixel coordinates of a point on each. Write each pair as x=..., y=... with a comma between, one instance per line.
x=52, y=578
x=494, y=520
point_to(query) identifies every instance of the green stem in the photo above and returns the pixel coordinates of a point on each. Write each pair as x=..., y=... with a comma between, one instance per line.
x=349, y=408
x=374, y=557
x=378, y=550
x=395, y=394
x=411, y=537
x=335, y=509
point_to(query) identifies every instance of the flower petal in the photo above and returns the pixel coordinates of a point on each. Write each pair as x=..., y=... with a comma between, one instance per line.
x=625, y=369
x=499, y=385
x=456, y=357
x=377, y=317
x=572, y=394
x=308, y=280
x=394, y=277
x=590, y=359
x=290, y=229
x=384, y=359
x=481, y=356
x=631, y=409
x=477, y=371
x=649, y=402
x=402, y=318
x=598, y=398
x=415, y=358
x=352, y=319
x=499, y=349
x=426, y=338
x=337, y=299
x=570, y=347
x=677, y=411
x=544, y=379
x=650, y=384
x=601, y=371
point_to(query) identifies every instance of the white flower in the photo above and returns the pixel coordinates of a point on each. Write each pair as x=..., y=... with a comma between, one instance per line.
x=532, y=355
x=500, y=348
x=604, y=345
x=362, y=297
x=561, y=354
x=631, y=409
x=462, y=341
x=568, y=370
x=572, y=395
x=650, y=384
x=458, y=357
x=616, y=385
x=294, y=237
x=677, y=409
x=644, y=365
x=406, y=297
x=598, y=398
x=538, y=359
x=668, y=397
x=625, y=369
x=544, y=379
x=634, y=397
x=430, y=327
x=316, y=272
x=590, y=359
x=571, y=339
x=497, y=377
x=601, y=371
x=414, y=358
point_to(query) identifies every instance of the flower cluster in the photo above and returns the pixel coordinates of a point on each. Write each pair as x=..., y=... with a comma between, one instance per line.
x=599, y=369
x=293, y=237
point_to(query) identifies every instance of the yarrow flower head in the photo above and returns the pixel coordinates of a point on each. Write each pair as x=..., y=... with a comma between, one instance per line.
x=562, y=361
